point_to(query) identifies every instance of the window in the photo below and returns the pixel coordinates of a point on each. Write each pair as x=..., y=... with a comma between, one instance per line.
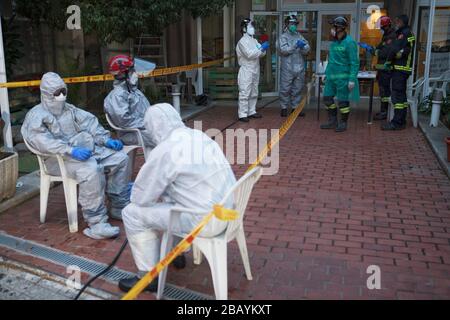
x=440, y=52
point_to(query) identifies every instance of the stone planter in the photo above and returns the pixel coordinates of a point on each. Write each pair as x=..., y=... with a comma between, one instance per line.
x=9, y=172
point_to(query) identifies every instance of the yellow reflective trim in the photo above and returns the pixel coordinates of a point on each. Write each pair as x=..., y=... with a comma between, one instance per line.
x=332, y=107
x=345, y=110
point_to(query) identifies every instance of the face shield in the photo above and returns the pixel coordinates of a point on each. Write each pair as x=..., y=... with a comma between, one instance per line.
x=143, y=68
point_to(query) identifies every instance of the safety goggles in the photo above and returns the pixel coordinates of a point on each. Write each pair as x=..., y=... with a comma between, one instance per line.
x=59, y=91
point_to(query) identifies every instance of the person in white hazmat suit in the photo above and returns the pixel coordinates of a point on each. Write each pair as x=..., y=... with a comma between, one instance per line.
x=293, y=48
x=249, y=52
x=126, y=104
x=91, y=157
x=186, y=169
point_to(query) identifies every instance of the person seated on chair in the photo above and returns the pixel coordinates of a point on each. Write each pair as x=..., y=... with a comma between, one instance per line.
x=186, y=169
x=126, y=104
x=91, y=157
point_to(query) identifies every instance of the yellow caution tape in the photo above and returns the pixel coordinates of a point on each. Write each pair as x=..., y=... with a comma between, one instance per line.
x=218, y=211
x=107, y=77
x=225, y=214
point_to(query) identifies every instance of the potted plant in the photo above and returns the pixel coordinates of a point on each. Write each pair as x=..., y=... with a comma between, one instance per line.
x=9, y=170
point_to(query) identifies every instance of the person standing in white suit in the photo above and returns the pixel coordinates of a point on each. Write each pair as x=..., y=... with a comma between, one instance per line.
x=249, y=51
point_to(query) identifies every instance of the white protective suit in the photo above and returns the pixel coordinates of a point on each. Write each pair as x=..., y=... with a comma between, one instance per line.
x=186, y=169
x=53, y=130
x=248, y=52
x=292, y=69
x=126, y=106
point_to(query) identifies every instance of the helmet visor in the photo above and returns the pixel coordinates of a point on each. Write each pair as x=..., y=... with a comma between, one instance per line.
x=143, y=67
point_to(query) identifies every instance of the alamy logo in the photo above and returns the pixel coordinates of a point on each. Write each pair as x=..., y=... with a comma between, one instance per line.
x=74, y=280
x=74, y=20
x=374, y=281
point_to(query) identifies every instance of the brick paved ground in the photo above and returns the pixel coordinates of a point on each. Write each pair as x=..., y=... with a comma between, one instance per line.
x=339, y=204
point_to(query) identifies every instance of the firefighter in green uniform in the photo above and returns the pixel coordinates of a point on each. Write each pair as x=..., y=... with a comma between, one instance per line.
x=341, y=76
x=401, y=58
x=384, y=75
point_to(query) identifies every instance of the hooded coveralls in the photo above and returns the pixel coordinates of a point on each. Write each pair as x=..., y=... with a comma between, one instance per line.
x=248, y=52
x=126, y=107
x=292, y=69
x=51, y=133
x=186, y=169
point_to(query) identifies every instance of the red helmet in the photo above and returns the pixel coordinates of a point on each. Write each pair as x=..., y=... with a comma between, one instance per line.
x=385, y=22
x=120, y=64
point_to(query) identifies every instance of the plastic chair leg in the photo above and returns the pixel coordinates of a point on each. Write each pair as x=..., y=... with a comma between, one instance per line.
x=242, y=243
x=166, y=244
x=45, y=190
x=198, y=256
x=70, y=193
x=215, y=252
x=414, y=114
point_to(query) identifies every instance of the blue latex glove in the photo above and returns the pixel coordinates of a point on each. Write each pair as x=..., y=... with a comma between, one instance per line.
x=265, y=46
x=115, y=145
x=367, y=47
x=388, y=66
x=301, y=44
x=81, y=154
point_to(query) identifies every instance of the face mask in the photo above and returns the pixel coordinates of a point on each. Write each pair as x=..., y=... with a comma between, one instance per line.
x=251, y=31
x=61, y=98
x=56, y=104
x=293, y=28
x=134, y=79
x=333, y=33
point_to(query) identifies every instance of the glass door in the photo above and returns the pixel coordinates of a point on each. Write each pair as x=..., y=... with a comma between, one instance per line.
x=323, y=34
x=268, y=29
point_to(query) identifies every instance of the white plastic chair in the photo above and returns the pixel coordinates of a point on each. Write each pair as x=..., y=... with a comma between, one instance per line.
x=440, y=84
x=193, y=75
x=130, y=150
x=215, y=249
x=69, y=184
x=415, y=95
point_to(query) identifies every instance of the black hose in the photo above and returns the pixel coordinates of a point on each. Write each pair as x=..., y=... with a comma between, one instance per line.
x=109, y=267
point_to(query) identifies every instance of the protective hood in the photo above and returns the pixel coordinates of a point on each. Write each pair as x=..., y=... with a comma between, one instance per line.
x=50, y=83
x=160, y=121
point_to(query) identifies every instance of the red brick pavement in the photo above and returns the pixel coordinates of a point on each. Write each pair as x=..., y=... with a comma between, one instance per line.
x=339, y=204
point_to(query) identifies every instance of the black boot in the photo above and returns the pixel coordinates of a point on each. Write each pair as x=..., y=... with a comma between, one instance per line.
x=384, y=112
x=399, y=121
x=342, y=126
x=256, y=116
x=127, y=284
x=180, y=262
x=301, y=115
x=332, y=120
x=284, y=113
